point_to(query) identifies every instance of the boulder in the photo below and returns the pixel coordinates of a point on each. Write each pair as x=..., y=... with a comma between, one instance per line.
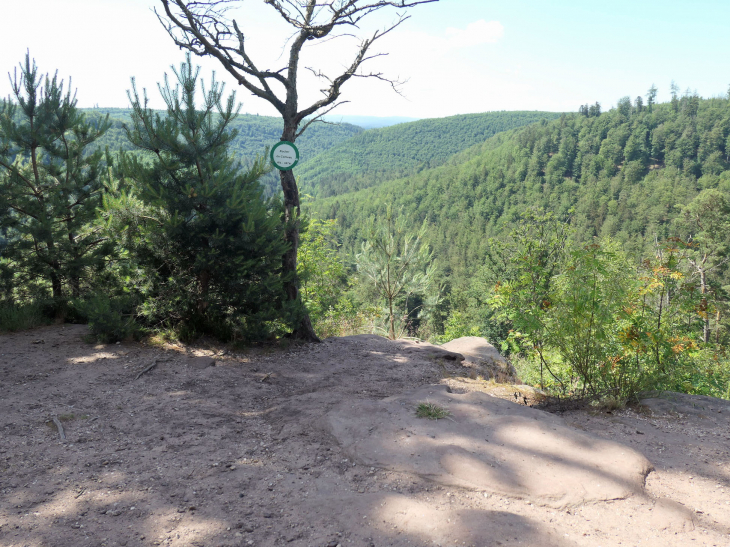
x=490, y=445
x=484, y=356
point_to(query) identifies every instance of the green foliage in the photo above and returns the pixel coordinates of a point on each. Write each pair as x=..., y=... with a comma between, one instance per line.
x=704, y=226
x=706, y=373
x=379, y=155
x=586, y=320
x=110, y=319
x=15, y=317
x=456, y=326
x=209, y=244
x=394, y=263
x=50, y=188
x=523, y=279
x=598, y=325
x=347, y=318
x=623, y=176
x=321, y=271
x=253, y=135
x=432, y=411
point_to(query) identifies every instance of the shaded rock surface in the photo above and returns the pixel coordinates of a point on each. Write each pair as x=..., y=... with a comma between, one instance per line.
x=242, y=453
x=484, y=356
x=490, y=445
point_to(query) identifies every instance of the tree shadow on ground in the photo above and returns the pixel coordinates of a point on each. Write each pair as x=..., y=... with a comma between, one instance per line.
x=235, y=454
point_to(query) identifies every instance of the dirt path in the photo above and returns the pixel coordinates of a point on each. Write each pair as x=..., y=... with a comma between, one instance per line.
x=244, y=453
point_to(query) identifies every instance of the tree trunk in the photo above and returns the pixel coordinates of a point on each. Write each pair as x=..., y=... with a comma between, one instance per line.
x=56, y=286
x=717, y=327
x=392, y=319
x=304, y=329
x=705, y=307
x=56, y=283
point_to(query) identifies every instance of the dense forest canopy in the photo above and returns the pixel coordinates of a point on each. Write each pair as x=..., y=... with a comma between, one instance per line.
x=625, y=172
x=254, y=135
x=378, y=155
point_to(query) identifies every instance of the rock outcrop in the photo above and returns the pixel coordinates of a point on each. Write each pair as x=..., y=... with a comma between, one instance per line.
x=490, y=445
x=484, y=357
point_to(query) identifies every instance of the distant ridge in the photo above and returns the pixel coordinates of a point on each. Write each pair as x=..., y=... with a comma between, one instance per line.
x=370, y=122
x=255, y=134
x=383, y=154
x=624, y=174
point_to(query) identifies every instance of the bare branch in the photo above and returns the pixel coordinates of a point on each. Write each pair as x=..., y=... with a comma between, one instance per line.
x=318, y=117
x=204, y=28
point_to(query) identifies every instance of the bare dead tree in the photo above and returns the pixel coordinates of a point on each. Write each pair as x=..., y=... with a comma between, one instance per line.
x=204, y=28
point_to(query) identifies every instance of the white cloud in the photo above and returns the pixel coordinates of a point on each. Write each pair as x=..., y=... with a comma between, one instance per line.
x=476, y=33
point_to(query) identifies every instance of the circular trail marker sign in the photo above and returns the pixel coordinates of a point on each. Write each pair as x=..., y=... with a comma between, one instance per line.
x=284, y=155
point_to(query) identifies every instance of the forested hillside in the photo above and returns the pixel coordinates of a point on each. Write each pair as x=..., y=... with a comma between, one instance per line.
x=624, y=171
x=383, y=154
x=255, y=134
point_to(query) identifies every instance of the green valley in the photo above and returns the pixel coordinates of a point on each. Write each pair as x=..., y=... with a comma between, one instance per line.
x=378, y=155
x=624, y=172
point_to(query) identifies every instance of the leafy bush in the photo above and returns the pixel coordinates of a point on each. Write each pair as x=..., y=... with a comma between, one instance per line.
x=705, y=372
x=110, y=319
x=346, y=318
x=597, y=325
x=456, y=326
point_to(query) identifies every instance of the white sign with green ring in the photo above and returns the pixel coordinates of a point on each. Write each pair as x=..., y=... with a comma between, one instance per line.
x=284, y=155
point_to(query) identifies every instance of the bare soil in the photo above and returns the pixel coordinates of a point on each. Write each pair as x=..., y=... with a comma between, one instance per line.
x=211, y=447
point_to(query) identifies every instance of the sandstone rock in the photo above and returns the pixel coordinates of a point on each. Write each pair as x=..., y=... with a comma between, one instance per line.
x=670, y=515
x=479, y=352
x=490, y=445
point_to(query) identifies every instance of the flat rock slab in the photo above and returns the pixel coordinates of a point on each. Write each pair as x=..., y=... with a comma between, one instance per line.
x=433, y=525
x=670, y=404
x=479, y=351
x=491, y=445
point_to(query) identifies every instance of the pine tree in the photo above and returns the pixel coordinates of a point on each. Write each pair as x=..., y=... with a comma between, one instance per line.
x=50, y=187
x=651, y=97
x=210, y=243
x=395, y=263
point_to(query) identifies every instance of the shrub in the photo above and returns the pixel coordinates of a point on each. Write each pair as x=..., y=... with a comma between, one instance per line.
x=110, y=318
x=15, y=317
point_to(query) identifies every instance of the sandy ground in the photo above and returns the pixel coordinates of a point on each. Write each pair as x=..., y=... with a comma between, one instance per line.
x=245, y=453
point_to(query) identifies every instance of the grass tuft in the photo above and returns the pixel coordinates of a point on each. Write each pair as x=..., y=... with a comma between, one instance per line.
x=431, y=411
x=15, y=318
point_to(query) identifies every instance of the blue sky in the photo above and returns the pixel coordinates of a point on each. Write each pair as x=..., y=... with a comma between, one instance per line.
x=459, y=56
